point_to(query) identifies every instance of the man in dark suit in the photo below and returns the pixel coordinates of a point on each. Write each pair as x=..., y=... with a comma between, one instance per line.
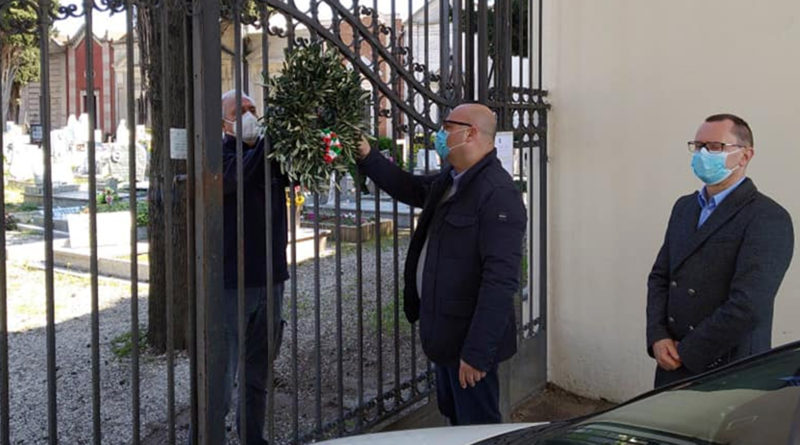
x=463, y=264
x=712, y=288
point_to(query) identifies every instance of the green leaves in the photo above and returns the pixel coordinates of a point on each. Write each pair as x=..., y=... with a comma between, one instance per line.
x=315, y=91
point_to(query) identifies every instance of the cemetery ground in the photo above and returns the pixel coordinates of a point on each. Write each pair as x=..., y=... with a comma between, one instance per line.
x=294, y=377
x=72, y=310
x=27, y=346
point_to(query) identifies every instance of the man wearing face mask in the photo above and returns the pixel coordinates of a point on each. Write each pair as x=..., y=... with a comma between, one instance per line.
x=712, y=288
x=255, y=260
x=463, y=263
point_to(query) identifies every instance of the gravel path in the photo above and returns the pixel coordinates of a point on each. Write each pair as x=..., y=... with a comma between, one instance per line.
x=27, y=350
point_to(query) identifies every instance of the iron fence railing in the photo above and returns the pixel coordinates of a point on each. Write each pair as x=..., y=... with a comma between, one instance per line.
x=351, y=361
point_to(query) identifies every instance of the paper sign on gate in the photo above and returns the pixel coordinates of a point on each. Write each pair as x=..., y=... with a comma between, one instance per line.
x=504, y=142
x=177, y=143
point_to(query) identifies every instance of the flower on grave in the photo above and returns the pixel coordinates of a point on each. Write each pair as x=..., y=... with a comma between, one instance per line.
x=108, y=196
x=299, y=198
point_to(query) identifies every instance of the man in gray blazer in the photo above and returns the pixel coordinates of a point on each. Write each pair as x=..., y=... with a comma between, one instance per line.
x=711, y=291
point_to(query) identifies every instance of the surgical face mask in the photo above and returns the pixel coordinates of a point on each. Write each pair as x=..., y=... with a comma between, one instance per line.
x=711, y=167
x=440, y=143
x=250, y=128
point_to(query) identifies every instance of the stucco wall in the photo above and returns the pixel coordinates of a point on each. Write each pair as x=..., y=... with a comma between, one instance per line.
x=630, y=82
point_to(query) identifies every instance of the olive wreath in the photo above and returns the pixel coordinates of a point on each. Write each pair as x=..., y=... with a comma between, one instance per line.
x=317, y=117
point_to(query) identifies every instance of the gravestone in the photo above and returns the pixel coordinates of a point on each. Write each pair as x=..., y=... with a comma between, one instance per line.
x=330, y=197
x=117, y=163
x=348, y=193
x=122, y=133
x=433, y=162
x=81, y=130
x=60, y=152
x=25, y=160
x=71, y=129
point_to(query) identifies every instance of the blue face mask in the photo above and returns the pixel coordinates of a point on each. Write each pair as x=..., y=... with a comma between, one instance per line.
x=710, y=167
x=440, y=143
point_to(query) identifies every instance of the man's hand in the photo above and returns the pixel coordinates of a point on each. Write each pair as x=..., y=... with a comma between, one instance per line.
x=363, y=148
x=469, y=375
x=666, y=352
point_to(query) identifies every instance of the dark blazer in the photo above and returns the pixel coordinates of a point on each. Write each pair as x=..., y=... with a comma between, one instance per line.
x=712, y=289
x=255, y=252
x=472, y=265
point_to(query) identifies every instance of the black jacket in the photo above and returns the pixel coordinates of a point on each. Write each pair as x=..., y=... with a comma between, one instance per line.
x=713, y=288
x=255, y=252
x=472, y=267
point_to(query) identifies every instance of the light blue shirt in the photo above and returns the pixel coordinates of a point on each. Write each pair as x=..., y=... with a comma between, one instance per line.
x=456, y=180
x=707, y=206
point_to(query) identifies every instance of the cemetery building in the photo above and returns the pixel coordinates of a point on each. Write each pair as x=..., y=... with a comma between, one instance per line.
x=68, y=82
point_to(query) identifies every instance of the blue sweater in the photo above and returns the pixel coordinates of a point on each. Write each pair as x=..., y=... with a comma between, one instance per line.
x=255, y=252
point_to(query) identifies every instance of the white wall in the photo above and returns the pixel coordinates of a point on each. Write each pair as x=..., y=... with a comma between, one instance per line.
x=630, y=82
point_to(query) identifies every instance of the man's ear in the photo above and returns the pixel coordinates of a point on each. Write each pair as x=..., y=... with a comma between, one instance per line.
x=747, y=155
x=473, y=133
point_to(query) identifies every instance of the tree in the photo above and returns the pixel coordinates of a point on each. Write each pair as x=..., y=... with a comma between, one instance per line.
x=19, y=51
x=150, y=34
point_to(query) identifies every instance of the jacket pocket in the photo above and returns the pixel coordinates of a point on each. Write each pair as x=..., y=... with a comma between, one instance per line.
x=459, y=221
x=459, y=235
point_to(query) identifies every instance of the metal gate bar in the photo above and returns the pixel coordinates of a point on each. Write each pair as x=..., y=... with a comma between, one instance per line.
x=4, y=377
x=208, y=224
x=191, y=246
x=44, y=57
x=132, y=200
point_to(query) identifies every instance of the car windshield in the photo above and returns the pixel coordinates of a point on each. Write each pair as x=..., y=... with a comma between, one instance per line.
x=756, y=402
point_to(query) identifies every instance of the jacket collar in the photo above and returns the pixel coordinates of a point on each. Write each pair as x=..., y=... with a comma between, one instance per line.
x=694, y=237
x=471, y=172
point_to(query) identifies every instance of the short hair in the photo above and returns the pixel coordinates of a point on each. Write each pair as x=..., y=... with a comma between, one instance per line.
x=740, y=129
x=231, y=95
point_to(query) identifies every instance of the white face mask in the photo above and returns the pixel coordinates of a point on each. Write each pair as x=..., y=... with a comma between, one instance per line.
x=250, y=128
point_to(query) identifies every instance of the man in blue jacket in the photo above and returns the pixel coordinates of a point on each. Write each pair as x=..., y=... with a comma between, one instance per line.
x=258, y=351
x=711, y=292
x=463, y=264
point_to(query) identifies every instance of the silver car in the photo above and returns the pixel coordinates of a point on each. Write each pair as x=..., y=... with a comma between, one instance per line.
x=753, y=401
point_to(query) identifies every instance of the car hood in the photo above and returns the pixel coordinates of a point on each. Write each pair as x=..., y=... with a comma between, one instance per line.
x=454, y=435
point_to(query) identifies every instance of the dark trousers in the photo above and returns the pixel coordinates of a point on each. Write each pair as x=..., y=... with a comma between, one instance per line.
x=257, y=357
x=471, y=406
x=664, y=378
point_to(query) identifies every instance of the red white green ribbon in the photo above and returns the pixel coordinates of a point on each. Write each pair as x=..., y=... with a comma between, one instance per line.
x=333, y=147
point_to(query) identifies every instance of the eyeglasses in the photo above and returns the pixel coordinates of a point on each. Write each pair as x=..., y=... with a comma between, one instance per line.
x=712, y=147
x=452, y=122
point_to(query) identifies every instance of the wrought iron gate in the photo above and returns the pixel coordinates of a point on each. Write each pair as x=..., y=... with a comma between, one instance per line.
x=349, y=362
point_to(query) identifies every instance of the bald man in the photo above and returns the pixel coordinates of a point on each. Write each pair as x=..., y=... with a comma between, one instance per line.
x=463, y=264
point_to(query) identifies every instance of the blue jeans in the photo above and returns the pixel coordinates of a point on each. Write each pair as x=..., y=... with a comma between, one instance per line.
x=257, y=357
